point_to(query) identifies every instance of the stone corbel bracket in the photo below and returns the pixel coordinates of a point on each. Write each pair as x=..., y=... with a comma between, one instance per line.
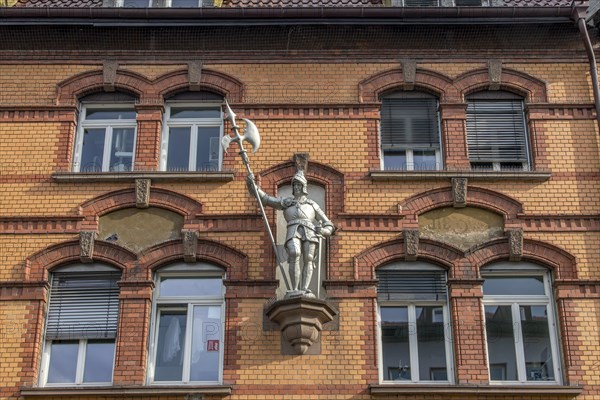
x=86, y=246
x=515, y=244
x=142, y=193
x=190, y=244
x=411, y=244
x=459, y=192
x=301, y=321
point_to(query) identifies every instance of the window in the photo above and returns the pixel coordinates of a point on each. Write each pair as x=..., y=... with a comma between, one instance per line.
x=470, y=3
x=81, y=326
x=414, y=324
x=192, y=133
x=410, y=138
x=106, y=134
x=520, y=328
x=414, y=3
x=134, y=3
x=164, y=3
x=496, y=132
x=188, y=335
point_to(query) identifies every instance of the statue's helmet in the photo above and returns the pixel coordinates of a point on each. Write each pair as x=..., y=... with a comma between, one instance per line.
x=299, y=177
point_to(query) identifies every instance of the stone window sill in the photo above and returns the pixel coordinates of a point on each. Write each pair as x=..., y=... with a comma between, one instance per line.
x=566, y=392
x=538, y=176
x=155, y=176
x=126, y=391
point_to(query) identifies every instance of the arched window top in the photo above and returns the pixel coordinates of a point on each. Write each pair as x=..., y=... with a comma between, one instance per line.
x=183, y=280
x=108, y=98
x=410, y=266
x=203, y=96
x=508, y=267
x=493, y=95
x=403, y=94
x=83, y=268
x=199, y=267
x=409, y=281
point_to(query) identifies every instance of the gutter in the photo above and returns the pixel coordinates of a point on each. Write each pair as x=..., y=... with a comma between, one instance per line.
x=281, y=15
x=579, y=16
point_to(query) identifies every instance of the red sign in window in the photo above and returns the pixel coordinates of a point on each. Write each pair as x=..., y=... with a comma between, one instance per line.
x=212, y=345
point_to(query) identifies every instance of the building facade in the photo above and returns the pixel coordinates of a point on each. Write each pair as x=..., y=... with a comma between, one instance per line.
x=454, y=145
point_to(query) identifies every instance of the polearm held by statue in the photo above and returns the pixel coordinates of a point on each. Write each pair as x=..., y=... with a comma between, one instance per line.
x=251, y=136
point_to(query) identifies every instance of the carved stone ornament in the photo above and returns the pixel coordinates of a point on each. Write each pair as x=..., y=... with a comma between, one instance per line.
x=409, y=70
x=411, y=244
x=195, y=75
x=190, y=244
x=301, y=320
x=459, y=192
x=515, y=244
x=142, y=193
x=301, y=161
x=86, y=245
x=109, y=74
x=495, y=73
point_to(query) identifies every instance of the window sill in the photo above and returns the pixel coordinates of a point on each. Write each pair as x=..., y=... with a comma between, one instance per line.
x=495, y=390
x=156, y=176
x=381, y=175
x=120, y=391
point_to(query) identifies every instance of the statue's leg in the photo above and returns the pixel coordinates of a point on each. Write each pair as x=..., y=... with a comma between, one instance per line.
x=293, y=249
x=308, y=251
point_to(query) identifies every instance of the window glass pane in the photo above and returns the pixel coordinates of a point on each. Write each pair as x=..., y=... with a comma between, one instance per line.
x=136, y=3
x=92, y=150
x=186, y=112
x=207, y=155
x=170, y=346
x=395, y=346
x=190, y=287
x=184, y=3
x=63, y=362
x=99, y=359
x=513, y=285
x=394, y=160
x=501, y=343
x=206, y=343
x=536, y=343
x=178, y=154
x=424, y=160
x=108, y=113
x=121, y=155
x=432, y=346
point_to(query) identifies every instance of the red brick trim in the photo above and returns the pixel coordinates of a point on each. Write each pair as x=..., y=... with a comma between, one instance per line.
x=366, y=262
x=561, y=262
x=38, y=265
x=88, y=82
x=125, y=198
x=371, y=88
x=176, y=81
x=234, y=261
x=533, y=89
x=476, y=197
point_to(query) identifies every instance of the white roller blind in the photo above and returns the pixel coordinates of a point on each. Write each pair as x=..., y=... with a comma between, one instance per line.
x=83, y=306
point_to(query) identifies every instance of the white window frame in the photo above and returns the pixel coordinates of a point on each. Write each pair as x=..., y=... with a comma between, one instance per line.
x=46, y=351
x=413, y=339
x=120, y=3
x=524, y=270
x=194, y=124
x=108, y=125
x=173, y=303
x=198, y=3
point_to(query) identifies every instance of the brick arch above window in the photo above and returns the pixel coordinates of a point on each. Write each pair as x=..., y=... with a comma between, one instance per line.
x=439, y=253
x=232, y=260
x=520, y=83
x=561, y=262
x=176, y=81
x=126, y=198
x=39, y=265
x=432, y=82
x=89, y=82
x=476, y=197
x=324, y=175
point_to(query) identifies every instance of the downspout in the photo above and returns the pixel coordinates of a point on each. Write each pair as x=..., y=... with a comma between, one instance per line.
x=593, y=66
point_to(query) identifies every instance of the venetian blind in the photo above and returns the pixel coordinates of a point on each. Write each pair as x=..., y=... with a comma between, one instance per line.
x=411, y=285
x=409, y=124
x=496, y=131
x=83, y=305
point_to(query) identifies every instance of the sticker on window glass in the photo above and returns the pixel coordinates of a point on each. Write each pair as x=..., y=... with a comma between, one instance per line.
x=212, y=345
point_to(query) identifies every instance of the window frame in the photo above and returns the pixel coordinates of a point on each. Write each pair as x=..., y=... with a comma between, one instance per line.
x=193, y=124
x=506, y=269
x=185, y=303
x=109, y=125
x=409, y=151
x=82, y=342
x=121, y=3
x=411, y=305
